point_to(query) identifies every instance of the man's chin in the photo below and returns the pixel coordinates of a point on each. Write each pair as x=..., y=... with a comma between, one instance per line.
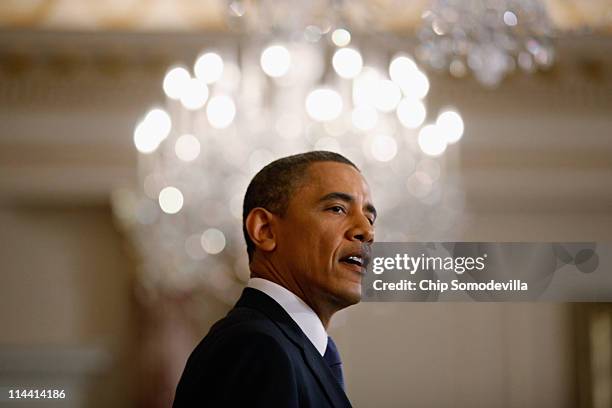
x=350, y=295
x=350, y=285
x=355, y=299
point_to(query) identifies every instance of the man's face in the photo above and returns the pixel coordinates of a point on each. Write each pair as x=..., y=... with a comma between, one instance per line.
x=325, y=236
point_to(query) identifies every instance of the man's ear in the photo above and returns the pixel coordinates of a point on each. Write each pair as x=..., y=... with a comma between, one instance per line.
x=259, y=227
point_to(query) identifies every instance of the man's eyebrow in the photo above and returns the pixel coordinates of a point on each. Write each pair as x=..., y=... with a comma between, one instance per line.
x=347, y=198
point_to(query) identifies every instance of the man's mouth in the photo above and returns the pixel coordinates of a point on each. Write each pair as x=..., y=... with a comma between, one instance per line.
x=353, y=260
x=357, y=260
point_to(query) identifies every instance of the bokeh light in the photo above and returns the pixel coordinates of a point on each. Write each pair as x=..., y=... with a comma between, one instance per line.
x=160, y=120
x=297, y=93
x=419, y=184
x=411, y=113
x=450, y=125
x=275, y=61
x=208, y=67
x=213, y=241
x=323, y=104
x=194, y=95
x=145, y=141
x=170, y=200
x=413, y=82
x=365, y=87
x=510, y=18
x=431, y=141
x=341, y=37
x=383, y=148
x=187, y=147
x=221, y=111
x=175, y=82
x=347, y=62
x=152, y=130
x=400, y=68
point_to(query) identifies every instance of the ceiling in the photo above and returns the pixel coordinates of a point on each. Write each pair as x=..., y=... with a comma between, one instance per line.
x=212, y=15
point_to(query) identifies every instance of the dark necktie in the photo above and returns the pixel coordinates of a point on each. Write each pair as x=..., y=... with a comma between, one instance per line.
x=332, y=357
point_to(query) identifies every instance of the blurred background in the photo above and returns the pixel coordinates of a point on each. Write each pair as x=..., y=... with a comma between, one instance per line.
x=130, y=129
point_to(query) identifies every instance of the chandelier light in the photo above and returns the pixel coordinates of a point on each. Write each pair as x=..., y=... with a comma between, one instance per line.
x=239, y=106
x=489, y=38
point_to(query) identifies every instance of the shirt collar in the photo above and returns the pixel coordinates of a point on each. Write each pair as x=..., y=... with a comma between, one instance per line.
x=300, y=312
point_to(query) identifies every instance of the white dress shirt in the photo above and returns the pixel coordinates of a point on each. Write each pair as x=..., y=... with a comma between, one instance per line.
x=299, y=311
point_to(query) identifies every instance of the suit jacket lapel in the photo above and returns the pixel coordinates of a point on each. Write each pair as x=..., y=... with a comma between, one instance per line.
x=258, y=300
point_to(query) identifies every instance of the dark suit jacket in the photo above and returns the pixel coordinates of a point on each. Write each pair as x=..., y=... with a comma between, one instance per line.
x=257, y=356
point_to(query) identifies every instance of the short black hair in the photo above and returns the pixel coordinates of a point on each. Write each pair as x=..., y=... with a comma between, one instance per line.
x=272, y=186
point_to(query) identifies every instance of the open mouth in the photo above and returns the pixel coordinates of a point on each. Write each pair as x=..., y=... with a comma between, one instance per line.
x=356, y=262
x=353, y=260
x=356, y=258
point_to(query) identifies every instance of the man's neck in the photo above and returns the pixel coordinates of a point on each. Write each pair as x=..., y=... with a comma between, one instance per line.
x=324, y=312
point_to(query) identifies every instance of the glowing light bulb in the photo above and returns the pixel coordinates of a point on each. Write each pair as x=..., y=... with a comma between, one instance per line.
x=221, y=111
x=208, y=67
x=365, y=87
x=153, y=130
x=160, y=121
x=195, y=94
x=414, y=83
x=323, y=104
x=145, y=141
x=275, y=61
x=411, y=113
x=431, y=141
x=347, y=62
x=400, y=69
x=175, y=82
x=450, y=125
x=341, y=37
x=170, y=200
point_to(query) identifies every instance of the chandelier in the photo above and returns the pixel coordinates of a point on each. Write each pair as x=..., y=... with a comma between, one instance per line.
x=301, y=83
x=489, y=38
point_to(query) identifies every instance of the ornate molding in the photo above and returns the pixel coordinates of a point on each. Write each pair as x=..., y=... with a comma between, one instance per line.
x=66, y=69
x=186, y=15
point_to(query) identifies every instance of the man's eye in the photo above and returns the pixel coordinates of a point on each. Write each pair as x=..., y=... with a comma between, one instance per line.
x=337, y=209
x=371, y=221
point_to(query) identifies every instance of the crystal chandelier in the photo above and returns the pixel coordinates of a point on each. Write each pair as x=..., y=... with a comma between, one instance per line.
x=489, y=38
x=239, y=106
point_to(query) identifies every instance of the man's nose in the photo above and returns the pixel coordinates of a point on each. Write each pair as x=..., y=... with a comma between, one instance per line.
x=362, y=230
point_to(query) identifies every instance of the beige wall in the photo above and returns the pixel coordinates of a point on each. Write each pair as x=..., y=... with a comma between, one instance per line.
x=66, y=303
x=65, y=269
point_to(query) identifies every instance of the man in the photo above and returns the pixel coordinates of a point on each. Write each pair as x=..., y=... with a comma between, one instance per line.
x=308, y=222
